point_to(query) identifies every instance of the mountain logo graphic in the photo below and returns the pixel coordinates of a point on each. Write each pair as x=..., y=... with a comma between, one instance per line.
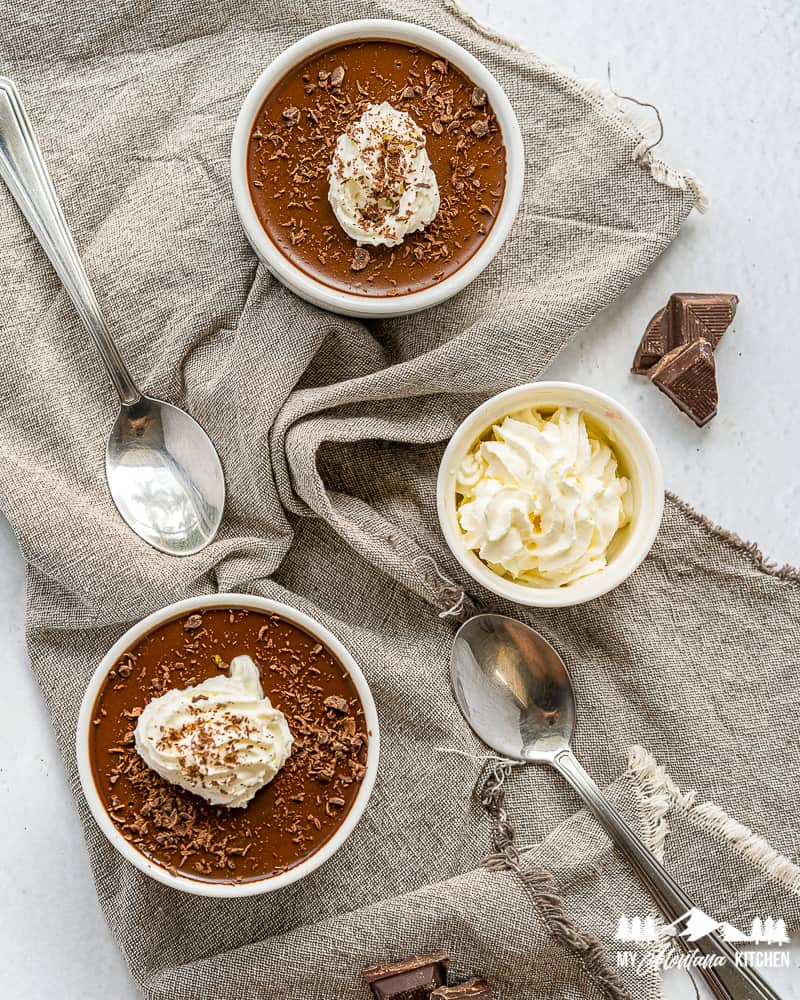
x=695, y=924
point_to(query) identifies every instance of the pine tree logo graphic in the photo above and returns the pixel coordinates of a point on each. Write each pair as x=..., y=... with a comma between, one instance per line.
x=695, y=924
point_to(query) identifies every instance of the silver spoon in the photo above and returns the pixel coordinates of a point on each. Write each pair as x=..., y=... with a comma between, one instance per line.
x=514, y=691
x=163, y=472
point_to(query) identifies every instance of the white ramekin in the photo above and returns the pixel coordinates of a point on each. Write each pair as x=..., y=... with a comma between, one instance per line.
x=638, y=460
x=304, y=285
x=222, y=889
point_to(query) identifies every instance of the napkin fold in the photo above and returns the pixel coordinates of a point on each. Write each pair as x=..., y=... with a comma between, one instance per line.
x=330, y=432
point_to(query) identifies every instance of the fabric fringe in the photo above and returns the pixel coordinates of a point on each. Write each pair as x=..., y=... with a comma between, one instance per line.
x=541, y=885
x=636, y=119
x=750, y=549
x=633, y=118
x=658, y=793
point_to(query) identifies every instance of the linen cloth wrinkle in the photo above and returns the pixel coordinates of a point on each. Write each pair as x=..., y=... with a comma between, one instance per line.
x=330, y=432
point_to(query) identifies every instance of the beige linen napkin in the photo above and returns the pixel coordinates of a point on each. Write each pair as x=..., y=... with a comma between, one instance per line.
x=330, y=433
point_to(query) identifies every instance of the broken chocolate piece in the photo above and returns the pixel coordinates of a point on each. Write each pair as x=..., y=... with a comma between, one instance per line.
x=480, y=128
x=412, y=978
x=688, y=316
x=696, y=316
x=653, y=345
x=479, y=97
x=687, y=375
x=474, y=989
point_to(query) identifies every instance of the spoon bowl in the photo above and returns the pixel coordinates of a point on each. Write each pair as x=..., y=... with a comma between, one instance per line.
x=165, y=476
x=512, y=688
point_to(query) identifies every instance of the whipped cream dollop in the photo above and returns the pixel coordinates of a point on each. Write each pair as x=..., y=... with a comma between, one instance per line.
x=541, y=500
x=381, y=183
x=221, y=739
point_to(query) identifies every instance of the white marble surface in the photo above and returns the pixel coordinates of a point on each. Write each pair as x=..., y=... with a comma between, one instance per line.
x=721, y=72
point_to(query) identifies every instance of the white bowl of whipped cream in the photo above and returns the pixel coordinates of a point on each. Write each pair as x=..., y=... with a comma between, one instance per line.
x=550, y=494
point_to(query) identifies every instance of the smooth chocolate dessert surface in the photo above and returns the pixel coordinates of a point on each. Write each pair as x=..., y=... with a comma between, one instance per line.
x=292, y=144
x=291, y=817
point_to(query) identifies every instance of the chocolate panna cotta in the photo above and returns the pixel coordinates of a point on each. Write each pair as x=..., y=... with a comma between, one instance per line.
x=290, y=818
x=294, y=139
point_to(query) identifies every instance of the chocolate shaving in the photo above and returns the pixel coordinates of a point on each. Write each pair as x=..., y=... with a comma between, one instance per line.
x=479, y=97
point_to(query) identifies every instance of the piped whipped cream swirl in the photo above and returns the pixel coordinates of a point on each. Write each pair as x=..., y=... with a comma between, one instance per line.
x=541, y=500
x=381, y=183
x=221, y=739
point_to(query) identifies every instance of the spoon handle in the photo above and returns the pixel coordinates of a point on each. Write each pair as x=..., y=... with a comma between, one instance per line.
x=23, y=169
x=728, y=981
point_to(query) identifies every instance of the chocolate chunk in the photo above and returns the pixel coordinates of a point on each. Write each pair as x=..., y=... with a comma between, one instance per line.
x=337, y=76
x=479, y=97
x=688, y=316
x=337, y=704
x=193, y=622
x=360, y=259
x=696, y=316
x=687, y=375
x=412, y=978
x=439, y=66
x=475, y=989
x=480, y=128
x=653, y=345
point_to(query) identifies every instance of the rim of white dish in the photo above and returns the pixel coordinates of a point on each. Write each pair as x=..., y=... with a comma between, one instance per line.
x=298, y=281
x=225, y=889
x=641, y=454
